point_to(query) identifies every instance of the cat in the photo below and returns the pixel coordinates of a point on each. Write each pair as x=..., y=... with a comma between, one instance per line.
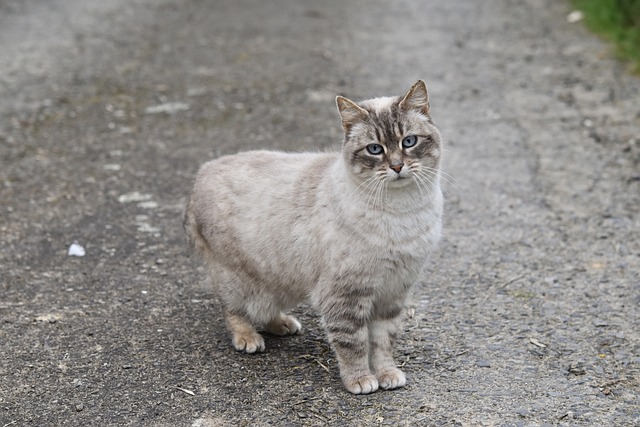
x=349, y=231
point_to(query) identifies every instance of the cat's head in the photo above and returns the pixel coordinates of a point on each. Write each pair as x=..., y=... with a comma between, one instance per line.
x=391, y=140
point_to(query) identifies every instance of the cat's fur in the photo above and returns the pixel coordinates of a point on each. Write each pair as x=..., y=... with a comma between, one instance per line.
x=346, y=230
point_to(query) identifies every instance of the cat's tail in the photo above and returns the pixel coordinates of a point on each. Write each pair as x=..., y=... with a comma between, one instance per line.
x=193, y=230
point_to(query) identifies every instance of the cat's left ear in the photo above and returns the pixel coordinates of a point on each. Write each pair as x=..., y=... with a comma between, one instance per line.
x=350, y=112
x=417, y=98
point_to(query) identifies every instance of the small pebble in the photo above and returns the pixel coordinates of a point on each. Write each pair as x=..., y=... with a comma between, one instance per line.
x=575, y=16
x=76, y=250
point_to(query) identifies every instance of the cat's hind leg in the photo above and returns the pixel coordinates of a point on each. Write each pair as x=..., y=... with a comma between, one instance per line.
x=251, y=305
x=243, y=334
x=245, y=337
x=242, y=307
x=283, y=324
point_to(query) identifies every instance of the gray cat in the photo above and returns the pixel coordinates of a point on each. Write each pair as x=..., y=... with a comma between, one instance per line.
x=350, y=231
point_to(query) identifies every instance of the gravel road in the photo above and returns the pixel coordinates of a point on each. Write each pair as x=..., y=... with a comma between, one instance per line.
x=528, y=315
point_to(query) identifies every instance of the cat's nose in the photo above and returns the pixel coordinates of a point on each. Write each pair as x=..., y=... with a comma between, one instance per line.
x=397, y=167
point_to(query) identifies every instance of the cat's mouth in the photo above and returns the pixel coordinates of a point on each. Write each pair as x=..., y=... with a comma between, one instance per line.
x=399, y=177
x=399, y=180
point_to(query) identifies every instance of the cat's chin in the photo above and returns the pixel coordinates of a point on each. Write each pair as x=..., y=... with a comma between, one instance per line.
x=399, y=181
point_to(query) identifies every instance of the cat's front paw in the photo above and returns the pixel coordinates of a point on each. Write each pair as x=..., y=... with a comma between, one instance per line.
x=391, y=378
x=362, y=385
x=249, y=343
x=284, y=325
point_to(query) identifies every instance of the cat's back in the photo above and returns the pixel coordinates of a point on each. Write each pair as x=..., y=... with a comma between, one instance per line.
x=249, y=186
x=242, y=203
x=266, y=173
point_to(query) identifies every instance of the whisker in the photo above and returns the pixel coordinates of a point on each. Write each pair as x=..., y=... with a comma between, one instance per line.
x=384, y=193
x=424, y=187
x=369, y=181
x=375, y=195
x=444, y=176
x=373, y=191
x=446, y=200
x=416, y=178
x=447, y=177
x=429, y=179
x=366, y=182
x=377, y=202
x=369, y=189
x=377, y=191
x=379, y=194
x=415, y=173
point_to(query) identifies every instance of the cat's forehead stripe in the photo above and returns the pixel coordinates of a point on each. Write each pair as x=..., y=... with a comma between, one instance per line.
x=385, y=124
x=378, y=135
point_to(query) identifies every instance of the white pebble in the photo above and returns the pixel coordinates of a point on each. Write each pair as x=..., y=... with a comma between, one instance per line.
x=136, y=196
x=76, y=250
x=575, y=16
x=169, y=107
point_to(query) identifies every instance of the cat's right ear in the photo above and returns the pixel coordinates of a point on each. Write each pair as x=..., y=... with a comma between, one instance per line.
x=350, y=112
x=417, y=98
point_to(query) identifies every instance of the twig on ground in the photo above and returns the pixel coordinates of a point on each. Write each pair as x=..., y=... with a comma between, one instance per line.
x=537, y=343
x=510, y=281
x=455, y=355
x=300, y=402
x=323, y=367
x=184, y=390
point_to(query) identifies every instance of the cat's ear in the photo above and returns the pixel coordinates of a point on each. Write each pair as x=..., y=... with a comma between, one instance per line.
x=350, y=112
x=417, y=98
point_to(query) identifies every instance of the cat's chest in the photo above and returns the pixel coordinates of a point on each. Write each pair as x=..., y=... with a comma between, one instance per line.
x=397, y=230
x=388, y=241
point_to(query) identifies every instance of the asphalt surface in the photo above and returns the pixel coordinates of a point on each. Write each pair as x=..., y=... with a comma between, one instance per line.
x=528, y=316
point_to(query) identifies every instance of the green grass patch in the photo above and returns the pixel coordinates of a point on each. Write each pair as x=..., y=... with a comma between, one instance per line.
x=617, y=21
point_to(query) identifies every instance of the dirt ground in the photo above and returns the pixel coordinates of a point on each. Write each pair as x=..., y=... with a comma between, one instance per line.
x=528, y=316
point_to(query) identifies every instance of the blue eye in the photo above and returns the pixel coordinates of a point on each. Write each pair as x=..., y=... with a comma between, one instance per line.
x=375, y=149
x=409, y=141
